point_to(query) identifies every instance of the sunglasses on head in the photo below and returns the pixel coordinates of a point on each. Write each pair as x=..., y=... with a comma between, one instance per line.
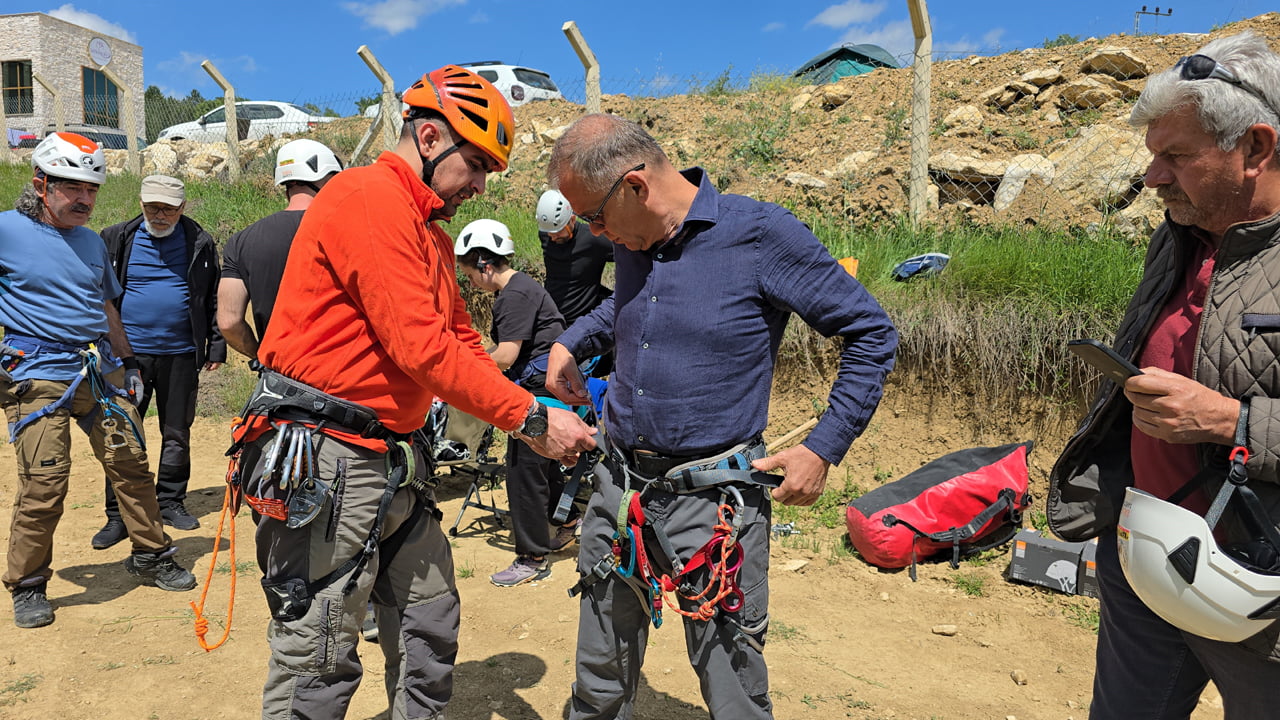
x=1203, y=67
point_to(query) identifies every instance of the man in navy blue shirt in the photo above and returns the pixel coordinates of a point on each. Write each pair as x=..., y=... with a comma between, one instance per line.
x=704, y=286
x=168, y=267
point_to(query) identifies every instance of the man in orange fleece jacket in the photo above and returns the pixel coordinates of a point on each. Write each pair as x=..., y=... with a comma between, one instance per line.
x=369, y=313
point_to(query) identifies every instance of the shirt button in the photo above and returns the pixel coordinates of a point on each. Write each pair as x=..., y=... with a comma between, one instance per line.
x=653, y=298
x=659, y=256
x=645, y=346
x=640, y=392
x=640, y=438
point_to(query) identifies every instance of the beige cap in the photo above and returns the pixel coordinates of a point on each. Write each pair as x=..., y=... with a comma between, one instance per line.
x=163, y=189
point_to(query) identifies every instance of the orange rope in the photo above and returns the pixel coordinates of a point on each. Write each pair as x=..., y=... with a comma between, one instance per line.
x=719, y=576
x=228, y=500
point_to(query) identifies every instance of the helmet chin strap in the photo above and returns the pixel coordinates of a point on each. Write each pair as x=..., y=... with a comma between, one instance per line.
x=429, y=164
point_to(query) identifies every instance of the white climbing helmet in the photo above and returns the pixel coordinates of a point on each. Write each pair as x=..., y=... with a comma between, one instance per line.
x=490, y=235
x=1174, y=565
x=553, y=212
x=68, y=156
x=305, y=161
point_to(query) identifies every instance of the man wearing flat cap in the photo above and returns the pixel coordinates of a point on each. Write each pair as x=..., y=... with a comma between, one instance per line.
x=168, y=267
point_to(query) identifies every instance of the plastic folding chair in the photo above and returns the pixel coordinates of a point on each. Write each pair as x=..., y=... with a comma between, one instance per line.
x=475, y=436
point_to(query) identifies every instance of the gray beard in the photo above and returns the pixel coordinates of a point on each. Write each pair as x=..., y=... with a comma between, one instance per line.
x=158, y=233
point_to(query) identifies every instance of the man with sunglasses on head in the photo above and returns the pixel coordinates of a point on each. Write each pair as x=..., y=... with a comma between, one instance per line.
x=369, y=326
x=1204, y=327
x=705, y=284
x=168, y=267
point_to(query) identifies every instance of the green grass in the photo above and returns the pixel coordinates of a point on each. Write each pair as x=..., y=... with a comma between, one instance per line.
x=16, y=691
x=970, y=583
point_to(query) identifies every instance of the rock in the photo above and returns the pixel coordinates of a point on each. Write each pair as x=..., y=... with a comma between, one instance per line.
x=800, y=179
x=1043, y=77
x=1020, y=168
x=527, y=138
x=550, y=136
x=884, y=597
x=1008, y=94
x=1019, y=677
x=1142, y=216
x=1086, y=93
x=794, y=565
x=964, y=119
x=800, y=100
x=944, y=630
x=833, y=95
x=1117, y=62
x=1126, y=90
x=1101, y=166
x=850, y=164
x=965, y=178
x=159, y=159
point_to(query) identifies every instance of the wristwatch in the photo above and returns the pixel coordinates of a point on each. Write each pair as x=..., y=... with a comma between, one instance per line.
x=535, y=423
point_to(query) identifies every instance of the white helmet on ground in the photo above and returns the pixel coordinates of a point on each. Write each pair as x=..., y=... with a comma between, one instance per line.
x=68, y=156
x=1175, y=566
x=305, y=161
x=553, y=212
x=485, y=234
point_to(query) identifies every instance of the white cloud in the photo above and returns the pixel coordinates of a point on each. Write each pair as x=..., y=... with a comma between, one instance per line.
x=185, y=70
x=773, y=27
x=851, y=12
x=896, y=37
x=70, y=14
x=396, y=16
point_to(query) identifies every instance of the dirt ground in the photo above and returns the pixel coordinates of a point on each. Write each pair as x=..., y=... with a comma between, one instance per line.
x=847, y=639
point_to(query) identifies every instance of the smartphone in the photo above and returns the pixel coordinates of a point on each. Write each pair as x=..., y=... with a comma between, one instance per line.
x=1107, y=361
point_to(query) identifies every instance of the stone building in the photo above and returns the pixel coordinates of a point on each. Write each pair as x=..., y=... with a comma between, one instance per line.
x=38, y=50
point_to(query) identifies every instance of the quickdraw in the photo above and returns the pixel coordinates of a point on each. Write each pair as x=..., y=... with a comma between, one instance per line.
x=103, y=393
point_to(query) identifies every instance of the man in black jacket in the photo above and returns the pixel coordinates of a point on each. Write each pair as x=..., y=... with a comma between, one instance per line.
x=168, y=267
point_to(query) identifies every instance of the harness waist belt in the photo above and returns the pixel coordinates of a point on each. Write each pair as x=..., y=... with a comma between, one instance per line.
x=686, y=474
x=278, y=396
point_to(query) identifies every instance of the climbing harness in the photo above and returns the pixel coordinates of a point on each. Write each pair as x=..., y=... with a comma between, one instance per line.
x=108, y=413
x=720, y=558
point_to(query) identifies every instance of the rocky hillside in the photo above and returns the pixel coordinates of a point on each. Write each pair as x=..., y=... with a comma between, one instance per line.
x=1033, y=136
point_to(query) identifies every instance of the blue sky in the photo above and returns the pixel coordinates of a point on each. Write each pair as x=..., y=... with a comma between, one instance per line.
x=306, y=52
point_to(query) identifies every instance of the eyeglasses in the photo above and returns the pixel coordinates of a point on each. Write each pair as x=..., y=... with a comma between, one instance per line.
x=1202, y=67
x=594, y=218
x=162, y=209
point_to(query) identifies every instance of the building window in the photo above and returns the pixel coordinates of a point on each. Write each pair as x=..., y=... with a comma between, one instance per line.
x=101, y=99
x=15, y=85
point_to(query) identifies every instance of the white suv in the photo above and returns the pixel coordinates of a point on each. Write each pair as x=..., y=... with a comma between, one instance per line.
x=257, y=119
x=518, y=84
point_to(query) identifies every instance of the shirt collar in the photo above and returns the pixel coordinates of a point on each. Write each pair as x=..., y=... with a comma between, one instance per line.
x=704, y=212
x=423, y=196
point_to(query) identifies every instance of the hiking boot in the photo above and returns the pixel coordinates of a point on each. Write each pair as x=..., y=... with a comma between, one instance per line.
x=110, y=534
x=369, y=630
x=162, y=572
x=523, y=570
x=31, y=608
x=565, y=536
x=177, y=516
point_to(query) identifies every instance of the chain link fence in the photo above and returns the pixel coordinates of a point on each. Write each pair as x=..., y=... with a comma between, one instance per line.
x=1038, y=135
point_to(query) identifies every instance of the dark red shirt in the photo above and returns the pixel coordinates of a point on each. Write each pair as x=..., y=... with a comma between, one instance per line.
x=1160, y=467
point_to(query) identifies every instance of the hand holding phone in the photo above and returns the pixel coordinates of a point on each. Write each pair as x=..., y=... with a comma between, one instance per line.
x=1110, y=363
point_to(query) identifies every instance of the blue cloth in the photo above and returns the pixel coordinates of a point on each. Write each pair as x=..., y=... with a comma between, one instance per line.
x=698, y=321
x=54, y=285
x=155, y=307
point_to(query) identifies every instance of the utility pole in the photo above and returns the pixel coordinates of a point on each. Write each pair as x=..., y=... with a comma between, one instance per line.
x=1156, y=13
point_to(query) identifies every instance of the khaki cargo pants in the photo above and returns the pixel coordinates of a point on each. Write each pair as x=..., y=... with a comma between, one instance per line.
x=43, y=451
x=314, y=668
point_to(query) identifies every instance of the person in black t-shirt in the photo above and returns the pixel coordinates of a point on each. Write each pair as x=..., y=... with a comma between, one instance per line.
x=575, y=260
x=254, y=259
x=525, y=324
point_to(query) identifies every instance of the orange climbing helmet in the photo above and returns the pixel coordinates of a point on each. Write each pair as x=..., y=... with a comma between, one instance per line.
x=473, y=107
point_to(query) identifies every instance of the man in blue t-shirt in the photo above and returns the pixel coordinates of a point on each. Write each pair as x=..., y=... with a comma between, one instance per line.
x=168, y=267
x=56, y=289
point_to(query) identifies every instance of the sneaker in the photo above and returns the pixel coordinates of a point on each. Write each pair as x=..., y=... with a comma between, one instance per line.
x=523, y=570
x=565, y=536
x=162, y=572
x=369, y=630
x=31, y=608
x=177, y=516
x=110, y=534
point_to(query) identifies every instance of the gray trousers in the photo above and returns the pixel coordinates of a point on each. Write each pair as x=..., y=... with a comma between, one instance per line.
x=314, y=668
x=1148, y=669
x=613, y=627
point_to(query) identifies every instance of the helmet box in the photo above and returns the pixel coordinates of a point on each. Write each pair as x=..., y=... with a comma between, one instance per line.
x=1067, y=567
